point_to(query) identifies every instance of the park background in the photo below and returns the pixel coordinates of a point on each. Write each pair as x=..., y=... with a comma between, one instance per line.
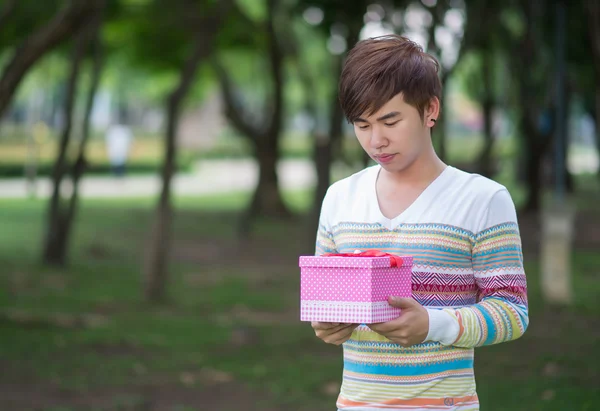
x=176, y=286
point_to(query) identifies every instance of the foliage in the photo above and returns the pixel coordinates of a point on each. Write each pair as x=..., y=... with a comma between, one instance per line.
x=26, y=16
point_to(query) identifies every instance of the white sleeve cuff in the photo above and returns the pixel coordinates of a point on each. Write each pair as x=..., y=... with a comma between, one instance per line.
x=443, y=328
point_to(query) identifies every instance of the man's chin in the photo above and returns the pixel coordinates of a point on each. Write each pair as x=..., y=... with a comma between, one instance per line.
x=394, y=167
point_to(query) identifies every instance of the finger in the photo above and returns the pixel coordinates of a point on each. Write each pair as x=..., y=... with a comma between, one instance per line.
x=337, y=332
x=340, y=328
x=402, y=302
x=323, y=325
x=379, y=327
x=343, y=335
x=329, y=333
x=390, y=326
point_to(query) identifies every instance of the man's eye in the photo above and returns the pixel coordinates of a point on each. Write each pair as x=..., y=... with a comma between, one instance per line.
x=363, y=127
x=391, y=124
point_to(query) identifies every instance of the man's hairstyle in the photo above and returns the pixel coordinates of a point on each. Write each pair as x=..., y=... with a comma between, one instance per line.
x=377, y=69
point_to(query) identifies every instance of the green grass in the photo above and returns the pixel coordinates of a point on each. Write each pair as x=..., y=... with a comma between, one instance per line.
x=234, y=314
x=190, y=333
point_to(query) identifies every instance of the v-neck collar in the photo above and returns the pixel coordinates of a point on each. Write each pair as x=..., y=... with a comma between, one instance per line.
x=424, y=199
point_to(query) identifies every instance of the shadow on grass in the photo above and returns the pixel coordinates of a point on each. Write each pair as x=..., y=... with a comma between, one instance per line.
x=230, y=337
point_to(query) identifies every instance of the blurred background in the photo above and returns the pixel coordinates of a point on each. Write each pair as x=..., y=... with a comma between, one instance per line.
x=162, y=165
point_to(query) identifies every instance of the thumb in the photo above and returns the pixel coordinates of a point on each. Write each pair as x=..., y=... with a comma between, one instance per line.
x=402, y=302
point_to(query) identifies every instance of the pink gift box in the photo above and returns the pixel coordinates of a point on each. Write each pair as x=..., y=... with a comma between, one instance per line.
x=352, y=289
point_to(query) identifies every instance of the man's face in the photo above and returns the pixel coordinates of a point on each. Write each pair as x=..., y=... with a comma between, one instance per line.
x=394, y=136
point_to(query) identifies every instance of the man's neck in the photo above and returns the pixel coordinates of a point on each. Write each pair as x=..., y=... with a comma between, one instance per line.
x=421, y=172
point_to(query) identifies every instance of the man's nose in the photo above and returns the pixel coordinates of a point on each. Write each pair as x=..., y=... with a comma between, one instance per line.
x=378, y=138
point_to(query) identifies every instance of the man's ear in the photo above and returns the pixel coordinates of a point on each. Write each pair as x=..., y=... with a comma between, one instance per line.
x=432, y=112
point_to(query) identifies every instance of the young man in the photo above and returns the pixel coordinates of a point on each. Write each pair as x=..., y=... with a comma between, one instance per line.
x=469, y=286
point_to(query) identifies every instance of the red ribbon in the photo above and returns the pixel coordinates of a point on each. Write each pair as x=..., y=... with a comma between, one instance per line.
x=395, y=261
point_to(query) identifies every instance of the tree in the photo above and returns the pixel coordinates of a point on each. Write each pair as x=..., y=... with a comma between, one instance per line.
x=7, y=12
x=63, y=25
x=267, y=200
x=526, y=34
x=201, y=23
x=439, y=13
x=343, y=22
x=60, y=211
x=592, y=9
x=79, y=165
x=324, y=143
x=530, y=67
x=480, y=78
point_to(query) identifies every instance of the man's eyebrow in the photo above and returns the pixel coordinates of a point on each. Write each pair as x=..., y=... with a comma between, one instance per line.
x=384, y=117
x=388, y=116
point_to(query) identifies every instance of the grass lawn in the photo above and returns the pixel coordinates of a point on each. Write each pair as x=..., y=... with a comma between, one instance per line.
x=83, y=339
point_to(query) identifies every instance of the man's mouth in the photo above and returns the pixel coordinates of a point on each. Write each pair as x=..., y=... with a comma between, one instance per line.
x=384, y=158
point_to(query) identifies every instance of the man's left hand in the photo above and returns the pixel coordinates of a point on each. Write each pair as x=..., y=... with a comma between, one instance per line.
x=410, y=328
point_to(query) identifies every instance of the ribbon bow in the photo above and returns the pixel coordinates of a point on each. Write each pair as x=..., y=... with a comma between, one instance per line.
x=395, y=261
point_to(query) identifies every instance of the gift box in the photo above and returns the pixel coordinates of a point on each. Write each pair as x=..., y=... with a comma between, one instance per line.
x=353, y=288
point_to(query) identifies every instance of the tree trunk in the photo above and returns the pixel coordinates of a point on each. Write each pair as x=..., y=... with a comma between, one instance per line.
x=336, y=133
x=66, y=22
x=323, y=143
x=80, y=163
x=267, y=200
x=322, y=156
x=598, y=119
x=7, y=12
x=440, y=128
x=56, y=96
x=438, y=13
x=325, y=146
x=486, y=161
x=53, y=253
x=323, y=153
x=532, y=93
x=593, y=13
x=486, y=166
x=533, y=172
x=122, y=111
x=535, y=147
x=155, y=270
x=568, y=177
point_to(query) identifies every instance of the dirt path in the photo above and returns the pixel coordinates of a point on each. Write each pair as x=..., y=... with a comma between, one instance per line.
x=226, y=396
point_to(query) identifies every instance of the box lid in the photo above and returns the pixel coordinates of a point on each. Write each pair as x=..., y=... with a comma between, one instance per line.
x=350, y=262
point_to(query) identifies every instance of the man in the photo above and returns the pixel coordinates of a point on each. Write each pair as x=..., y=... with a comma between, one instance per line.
x=118, y=143
x=469, y=286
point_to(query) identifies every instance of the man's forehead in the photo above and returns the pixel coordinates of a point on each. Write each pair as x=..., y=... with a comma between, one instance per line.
x=394, y=104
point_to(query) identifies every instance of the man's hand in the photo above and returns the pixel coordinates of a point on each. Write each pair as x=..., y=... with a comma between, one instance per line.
x=410, y=328
x=333, y=333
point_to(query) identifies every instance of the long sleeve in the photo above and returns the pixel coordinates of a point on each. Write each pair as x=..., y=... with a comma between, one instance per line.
x=324, y=242
x=501, y=313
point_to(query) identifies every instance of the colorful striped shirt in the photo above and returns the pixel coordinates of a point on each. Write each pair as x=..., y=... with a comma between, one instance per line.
x=463, y=234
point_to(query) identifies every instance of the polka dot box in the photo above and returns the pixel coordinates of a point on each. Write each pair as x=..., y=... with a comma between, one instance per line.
x=352, y=289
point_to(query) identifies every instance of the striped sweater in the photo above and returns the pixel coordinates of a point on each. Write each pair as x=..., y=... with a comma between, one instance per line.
x=468, y=272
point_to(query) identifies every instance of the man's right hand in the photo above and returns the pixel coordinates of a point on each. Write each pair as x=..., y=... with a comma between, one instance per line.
x=333, y=333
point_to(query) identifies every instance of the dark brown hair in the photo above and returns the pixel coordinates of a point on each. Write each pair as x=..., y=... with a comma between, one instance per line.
x=378, y=68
